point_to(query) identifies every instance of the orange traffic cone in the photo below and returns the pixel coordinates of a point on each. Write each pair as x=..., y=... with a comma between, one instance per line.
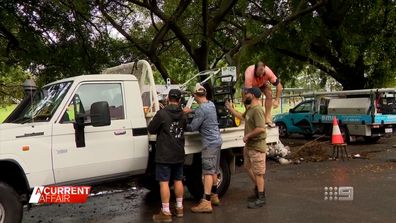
x=336, y=137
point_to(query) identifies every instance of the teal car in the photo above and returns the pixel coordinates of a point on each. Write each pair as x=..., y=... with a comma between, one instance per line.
x=364, y=114
x=297, y=120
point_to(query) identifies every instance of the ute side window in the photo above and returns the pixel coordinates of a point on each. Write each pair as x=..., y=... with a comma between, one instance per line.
x=304, y=107
x=87, y=94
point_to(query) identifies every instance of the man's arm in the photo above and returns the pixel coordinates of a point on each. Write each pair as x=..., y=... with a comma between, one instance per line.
x=279, y=89
x=155, y=124
x=249, y=76
x=197, y=121
x=256, y=132
x=234, y=112
x=276, y=82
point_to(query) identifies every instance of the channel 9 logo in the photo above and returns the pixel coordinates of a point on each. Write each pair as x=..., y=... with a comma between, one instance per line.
x=343, y=193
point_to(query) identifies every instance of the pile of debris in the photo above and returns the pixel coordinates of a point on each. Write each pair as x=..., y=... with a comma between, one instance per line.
x=312, y=152
x=279, y=152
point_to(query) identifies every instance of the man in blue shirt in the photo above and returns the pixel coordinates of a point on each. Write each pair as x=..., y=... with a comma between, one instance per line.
x=205, y=121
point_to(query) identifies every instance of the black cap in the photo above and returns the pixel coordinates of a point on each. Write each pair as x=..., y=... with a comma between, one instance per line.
x=254, y=91
x=174, y=94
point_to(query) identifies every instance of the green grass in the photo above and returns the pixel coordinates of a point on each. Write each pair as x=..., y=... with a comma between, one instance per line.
x=5, y=111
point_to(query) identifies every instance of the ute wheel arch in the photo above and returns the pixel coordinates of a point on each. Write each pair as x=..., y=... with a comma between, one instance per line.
x=14, y=176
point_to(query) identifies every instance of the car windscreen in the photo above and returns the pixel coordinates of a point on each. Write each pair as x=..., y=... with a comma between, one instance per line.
x=44, y=104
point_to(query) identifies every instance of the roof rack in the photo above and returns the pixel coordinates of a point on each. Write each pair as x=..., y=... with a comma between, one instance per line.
x=344, y=93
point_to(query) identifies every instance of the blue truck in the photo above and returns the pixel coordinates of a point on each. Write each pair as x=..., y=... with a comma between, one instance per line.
x=369, y=113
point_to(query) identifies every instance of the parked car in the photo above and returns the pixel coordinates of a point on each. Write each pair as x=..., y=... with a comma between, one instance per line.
x=367, y=113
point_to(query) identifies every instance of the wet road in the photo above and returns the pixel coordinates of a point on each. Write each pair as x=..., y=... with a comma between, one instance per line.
x=295, y=193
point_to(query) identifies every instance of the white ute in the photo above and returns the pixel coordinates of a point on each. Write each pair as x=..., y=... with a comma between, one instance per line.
x=92, y=129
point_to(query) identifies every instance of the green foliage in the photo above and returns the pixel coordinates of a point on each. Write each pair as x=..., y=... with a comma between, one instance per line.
x=57, y=39
x=11, y=79
x=351, y=41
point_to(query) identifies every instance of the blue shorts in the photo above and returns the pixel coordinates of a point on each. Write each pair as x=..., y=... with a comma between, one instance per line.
x=164, y=172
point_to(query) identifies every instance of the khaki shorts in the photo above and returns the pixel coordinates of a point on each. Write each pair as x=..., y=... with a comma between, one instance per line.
x=254, y=160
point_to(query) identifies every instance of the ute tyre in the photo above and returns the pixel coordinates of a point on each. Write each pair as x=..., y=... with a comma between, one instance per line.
x=225, y=175
x=194, y=178
x=11, y=210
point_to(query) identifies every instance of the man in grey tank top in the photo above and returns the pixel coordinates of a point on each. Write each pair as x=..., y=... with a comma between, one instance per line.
x=205, y=121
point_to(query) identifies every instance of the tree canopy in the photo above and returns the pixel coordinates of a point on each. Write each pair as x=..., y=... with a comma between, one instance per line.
x=351, y=41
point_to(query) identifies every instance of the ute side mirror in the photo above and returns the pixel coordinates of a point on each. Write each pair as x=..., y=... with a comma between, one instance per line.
x=100, y=114
x=291, y=110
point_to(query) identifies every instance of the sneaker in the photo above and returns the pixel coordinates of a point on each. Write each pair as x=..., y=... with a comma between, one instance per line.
x=204, y=206
x=162, y=217
x=214, y=199
x=258, y=203
x=179, y=212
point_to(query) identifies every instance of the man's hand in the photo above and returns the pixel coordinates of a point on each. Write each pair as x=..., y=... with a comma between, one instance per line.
x=245, y=139
x=275, y=103
x=228, y=104
x=187, y=110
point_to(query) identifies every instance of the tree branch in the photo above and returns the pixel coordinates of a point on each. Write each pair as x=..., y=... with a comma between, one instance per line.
x=311, y=61
x=225, y=7
x=119, y=28
x=265, y=35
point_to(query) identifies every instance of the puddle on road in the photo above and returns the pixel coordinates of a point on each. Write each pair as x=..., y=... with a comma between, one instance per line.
x=109, y=192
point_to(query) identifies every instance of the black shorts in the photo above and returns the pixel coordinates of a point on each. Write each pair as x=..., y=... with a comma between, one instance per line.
x=164, y=172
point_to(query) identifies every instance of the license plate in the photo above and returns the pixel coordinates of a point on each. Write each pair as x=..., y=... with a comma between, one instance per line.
x=388, y=130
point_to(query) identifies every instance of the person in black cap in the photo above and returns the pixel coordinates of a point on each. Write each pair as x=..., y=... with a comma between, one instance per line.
x=169, y=125
x=254, y=153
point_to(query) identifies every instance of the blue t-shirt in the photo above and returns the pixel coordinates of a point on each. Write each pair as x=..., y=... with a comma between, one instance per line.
x=205, y=120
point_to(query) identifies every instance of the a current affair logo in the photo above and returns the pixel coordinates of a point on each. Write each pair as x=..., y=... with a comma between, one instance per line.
x=60, y=194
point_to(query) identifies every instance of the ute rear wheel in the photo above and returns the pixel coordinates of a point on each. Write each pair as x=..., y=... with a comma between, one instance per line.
x=194, y=178
x=10, y=206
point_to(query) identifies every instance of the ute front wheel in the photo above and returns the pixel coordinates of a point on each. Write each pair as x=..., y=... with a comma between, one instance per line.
x=10, y=205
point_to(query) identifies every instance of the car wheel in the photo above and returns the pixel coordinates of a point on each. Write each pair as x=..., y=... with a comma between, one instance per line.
x=282, y=129
x=10, y=206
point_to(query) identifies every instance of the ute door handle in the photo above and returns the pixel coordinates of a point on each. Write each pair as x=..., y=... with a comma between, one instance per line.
x=119, y=132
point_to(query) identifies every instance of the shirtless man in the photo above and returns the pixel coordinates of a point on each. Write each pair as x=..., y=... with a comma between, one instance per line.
x=260, y=75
